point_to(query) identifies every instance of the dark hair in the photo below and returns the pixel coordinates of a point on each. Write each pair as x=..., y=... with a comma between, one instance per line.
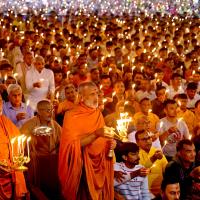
x=126, y=148
x=144, y=99
x=56, y=71
x=182, y=96
x=105, y=76
x=158, y=70
x=6, y=66
x=160, y=88
x=183, y=142
x=191, y=86
x=93, y=69
x=169, y=101
x=139, y=133
x=175, y=75
x=168, y=181
x=197, y=103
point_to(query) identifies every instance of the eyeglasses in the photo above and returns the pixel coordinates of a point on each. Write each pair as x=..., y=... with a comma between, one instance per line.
x=47, y=110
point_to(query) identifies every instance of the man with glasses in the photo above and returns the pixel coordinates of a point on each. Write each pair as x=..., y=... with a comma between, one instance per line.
x=152, y=159
x=45, y=137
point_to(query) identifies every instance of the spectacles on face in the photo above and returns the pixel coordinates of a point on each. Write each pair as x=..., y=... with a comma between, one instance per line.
x=47, y=110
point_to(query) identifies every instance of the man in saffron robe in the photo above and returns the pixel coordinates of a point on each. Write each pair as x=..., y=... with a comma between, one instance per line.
x=12, y=183
x=85, y=170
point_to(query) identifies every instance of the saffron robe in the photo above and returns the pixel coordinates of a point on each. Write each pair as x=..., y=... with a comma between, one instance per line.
x=91, y=160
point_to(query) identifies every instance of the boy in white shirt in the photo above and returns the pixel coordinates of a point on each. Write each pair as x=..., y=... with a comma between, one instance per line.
x=133, y=184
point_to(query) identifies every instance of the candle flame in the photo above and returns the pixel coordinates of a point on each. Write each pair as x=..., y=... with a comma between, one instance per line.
x=27, y=102
x=133, y=86
x=13, y=140
x=29, y=139
x=57, y=95
x=104, y=100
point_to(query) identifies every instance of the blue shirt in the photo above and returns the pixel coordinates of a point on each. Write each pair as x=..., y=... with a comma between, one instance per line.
x=11, y=112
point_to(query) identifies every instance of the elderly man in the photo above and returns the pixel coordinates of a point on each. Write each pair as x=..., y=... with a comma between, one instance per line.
x=17, y=111
x=85, y=171
x=12, y=184
x=40, y=82
x=45, y=134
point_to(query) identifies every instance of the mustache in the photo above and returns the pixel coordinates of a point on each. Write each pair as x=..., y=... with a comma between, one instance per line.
x=137, y=160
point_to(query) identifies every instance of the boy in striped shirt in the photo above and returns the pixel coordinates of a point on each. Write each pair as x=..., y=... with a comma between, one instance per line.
x=130, y=178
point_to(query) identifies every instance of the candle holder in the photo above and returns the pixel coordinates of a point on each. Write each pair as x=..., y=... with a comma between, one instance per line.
x=19, y=162
x=18, y=157
x=122, y=127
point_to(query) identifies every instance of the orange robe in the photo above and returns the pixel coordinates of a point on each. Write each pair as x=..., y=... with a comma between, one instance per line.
x=98, y=168
x=7, y=131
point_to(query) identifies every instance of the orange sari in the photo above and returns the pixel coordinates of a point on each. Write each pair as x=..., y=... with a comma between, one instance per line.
x=80, y=122
x=7, y=131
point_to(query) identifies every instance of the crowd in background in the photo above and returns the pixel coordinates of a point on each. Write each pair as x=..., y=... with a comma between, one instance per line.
x=146, y=66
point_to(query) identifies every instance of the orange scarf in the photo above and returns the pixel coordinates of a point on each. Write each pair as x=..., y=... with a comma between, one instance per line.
x=80, y=122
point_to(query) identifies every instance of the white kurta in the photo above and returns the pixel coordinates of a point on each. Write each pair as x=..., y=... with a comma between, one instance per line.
x=46, y=78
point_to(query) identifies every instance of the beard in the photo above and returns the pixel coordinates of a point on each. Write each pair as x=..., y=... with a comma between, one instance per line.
x=91, y=104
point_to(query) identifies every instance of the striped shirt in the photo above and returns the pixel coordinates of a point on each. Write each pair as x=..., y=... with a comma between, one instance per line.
x=131, y=189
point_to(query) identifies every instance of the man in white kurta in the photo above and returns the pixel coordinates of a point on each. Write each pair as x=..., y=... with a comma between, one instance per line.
x=22, y=68
x=39, y=82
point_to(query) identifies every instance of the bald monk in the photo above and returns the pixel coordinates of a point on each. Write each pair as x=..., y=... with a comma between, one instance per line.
x=45, y=137
x=85, y=170
x=12, y=183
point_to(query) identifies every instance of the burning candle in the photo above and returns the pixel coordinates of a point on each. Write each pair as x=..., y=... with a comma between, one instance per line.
x=12, y=146
x=133, y=68
x=23, y=140
x=133, y=86
x=57, y=95
x=5, y=77
x=126, y=102
x=19, y=145
x=113, y=94
x=104, y=100
x=165, y=143
x=68, y=74
x=28, y=148
x=122, y=68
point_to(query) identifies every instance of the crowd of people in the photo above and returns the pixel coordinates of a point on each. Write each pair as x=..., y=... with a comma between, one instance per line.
x=65, y=82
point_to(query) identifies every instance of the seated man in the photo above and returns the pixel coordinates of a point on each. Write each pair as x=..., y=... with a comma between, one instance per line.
x=17, y=111
x=45, y=136
x=170, y=189
x=182, y=164
x=143, y=123
x=134, y=184
x=12, y=184
x=158, y=103
x=145, y=105
x=171, y=129
x=153, y=159
x=182, y=112
x=192, y=94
